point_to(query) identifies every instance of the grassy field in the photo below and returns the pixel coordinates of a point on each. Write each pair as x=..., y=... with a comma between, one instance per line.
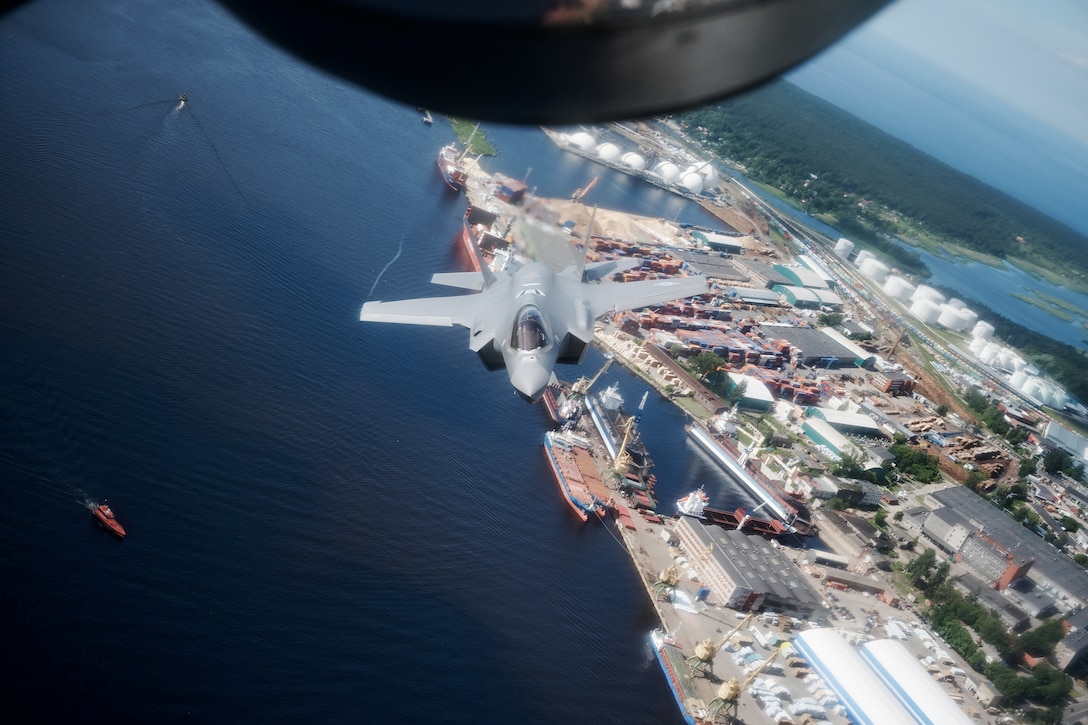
x=480, y=145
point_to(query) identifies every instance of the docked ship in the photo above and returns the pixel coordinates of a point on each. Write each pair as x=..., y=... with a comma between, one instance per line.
x=577, y=475
x=622, y=442
x=449, y=165
x=792, y=513
x=105, y=516
x=672, y=662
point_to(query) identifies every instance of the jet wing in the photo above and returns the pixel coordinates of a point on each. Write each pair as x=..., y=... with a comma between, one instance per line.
x=617, y=296
x=437, y=311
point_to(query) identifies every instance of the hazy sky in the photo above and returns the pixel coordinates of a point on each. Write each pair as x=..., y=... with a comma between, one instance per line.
x=1033, y=56
x=996, y=88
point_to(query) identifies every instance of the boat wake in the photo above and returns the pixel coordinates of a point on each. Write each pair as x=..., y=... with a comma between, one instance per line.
x=61, y=489
x=400, y=248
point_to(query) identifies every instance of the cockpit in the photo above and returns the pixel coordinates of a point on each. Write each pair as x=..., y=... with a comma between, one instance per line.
x=530, y=330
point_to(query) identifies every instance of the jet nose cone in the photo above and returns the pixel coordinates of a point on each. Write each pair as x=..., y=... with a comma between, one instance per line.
x=530, y=378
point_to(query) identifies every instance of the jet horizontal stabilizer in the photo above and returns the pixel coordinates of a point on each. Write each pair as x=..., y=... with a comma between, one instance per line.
x=463, y=280
x=596, y=271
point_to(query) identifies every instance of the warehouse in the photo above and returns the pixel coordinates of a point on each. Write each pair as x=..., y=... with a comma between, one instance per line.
x=808, y=298
x=911, y=684
x=814, y=347
x=752, y=296
x=845, y=422
x=761, y=273
x=801, y=277
x=820, y=432
x=866, y=698
x=747, y=572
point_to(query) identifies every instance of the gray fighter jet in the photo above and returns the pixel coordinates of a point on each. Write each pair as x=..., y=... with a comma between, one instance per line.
x=531, y=319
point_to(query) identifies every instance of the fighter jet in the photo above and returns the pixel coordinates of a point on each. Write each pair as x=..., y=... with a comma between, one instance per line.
x=533, y=318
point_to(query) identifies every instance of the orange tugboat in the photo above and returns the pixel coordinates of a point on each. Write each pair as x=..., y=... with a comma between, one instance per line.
x=104, y=514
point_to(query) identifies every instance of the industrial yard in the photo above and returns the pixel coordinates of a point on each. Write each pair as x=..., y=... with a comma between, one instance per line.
x=825, y=392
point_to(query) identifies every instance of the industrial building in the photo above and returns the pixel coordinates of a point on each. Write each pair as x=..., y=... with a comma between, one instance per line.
x=1052, y=571
x=1058, y=436
x=761, y=273
x=802, y=277
x=714, y=266
x=912, y=686
x=809, y=298
x=816, y=348
x=866, y=698
x=754, y=296
x=993, y=563
x=747, y=572
x=820, y=432
x=847, y=423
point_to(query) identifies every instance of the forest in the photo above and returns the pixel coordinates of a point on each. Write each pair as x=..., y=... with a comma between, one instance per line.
x=872, y=186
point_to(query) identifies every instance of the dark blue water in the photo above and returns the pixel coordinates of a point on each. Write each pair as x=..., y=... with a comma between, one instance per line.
x=327, y=521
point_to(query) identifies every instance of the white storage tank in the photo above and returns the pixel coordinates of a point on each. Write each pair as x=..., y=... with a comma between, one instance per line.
x=983, y=330
x=925, y=292
x=862, y=256
x=667, y=171
x=583, y=140
x=693, y=182
x=976, y=345
x=1032, y=387
x=608, y=151
x=844, y=247
x=1018, y=379
x=633, y=161
x=898, y=288
x=1003, y=360
x=1018, y=363
x=874, y=269
x=989, y=353
x=926, y=310
x=710, y=175
x=949, y=317
x=970, y=317
x=957, y=303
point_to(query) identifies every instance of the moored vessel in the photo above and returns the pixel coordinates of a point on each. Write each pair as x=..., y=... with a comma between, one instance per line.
x=105, y=516
x=672, y=662
x=791, y=512
x=576, y=474
x=450, y=167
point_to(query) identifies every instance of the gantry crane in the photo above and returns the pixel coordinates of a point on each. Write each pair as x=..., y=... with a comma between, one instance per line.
x=580, y=387
x=730, y=691
x=579, y=194
x=670, y=575
x=703, y=659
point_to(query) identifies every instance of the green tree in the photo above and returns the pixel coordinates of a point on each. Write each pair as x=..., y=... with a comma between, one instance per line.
x=880, y=518
x=706, y=363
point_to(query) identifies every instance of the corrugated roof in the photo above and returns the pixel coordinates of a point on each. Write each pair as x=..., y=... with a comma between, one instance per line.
x=911, y=684
x=866, y=698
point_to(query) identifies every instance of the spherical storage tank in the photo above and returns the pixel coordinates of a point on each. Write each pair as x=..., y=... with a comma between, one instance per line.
x=693, y=182
x=608, y=151
x=633, y=160
x=583, y=141
x=667, y=171
x=925, y=310
x=983, y=330
x=709, y=175
x=844, y=247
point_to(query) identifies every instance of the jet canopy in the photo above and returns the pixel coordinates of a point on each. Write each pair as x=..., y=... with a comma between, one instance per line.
x=530, y=331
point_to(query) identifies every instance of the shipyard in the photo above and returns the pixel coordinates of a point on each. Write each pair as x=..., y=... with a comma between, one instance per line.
x=774, y=613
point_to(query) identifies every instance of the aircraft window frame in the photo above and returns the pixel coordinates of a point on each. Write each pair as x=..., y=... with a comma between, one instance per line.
x=530, y=331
